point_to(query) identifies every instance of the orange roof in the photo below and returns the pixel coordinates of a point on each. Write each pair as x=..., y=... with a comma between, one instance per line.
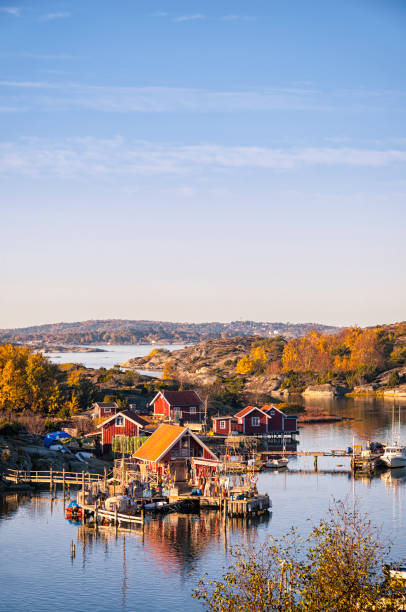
x=161, y=441
x=244, y=411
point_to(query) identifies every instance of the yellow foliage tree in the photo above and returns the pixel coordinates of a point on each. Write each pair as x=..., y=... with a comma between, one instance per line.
x=244, y=365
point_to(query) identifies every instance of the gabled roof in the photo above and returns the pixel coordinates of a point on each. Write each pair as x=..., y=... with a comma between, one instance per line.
x=246, y=411
x=222, y=418
x=162, y=440
x=269, y=407
x=106, y=404
x=131, y=416
x=183, y=399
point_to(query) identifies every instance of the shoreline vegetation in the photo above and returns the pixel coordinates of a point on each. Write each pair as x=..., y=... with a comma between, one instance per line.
x=356, y=362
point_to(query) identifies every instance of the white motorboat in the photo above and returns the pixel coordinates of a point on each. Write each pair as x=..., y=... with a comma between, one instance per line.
x=394, y=456
x=277, y=463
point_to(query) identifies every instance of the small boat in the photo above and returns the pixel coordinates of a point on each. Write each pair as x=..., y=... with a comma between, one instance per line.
x=394, y=456
x=277, y=463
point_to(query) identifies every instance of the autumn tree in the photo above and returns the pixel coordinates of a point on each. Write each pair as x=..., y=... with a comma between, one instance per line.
x=28, y=381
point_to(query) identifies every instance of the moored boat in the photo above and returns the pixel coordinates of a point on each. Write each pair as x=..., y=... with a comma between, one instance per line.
x=277, y=463
x=394, y=456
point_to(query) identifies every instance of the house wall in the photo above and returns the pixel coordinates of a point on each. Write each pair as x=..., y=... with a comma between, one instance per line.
x=187, y=416
x=161, y=407
x=251, y=429
x=275, y=422
x=195, y=450
x=290, y=423
x=222, y=431
x=110, y=430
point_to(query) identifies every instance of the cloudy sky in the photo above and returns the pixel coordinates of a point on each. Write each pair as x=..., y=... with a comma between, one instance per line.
x=203, y=160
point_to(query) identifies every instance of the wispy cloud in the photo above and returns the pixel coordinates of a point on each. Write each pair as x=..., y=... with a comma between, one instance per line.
x=236, y=17
x=77, y=158
x=159, y=14
x=39, y=95
x=53, y=16
x=194, y=17
x=15, y=11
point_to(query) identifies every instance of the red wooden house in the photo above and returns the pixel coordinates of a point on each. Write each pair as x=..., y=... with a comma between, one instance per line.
x=256, y=421
x=124, y=423
x=288, y=422
x=103, y=409
x=226, y=425
x=178, y=406
x=174, y=446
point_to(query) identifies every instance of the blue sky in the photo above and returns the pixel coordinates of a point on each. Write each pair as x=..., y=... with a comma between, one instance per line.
x=203, y=160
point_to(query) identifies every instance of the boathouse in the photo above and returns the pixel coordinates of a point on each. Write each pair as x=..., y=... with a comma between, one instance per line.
x=124, y=423
x=277, y=418
x=178, y=406
x=256, y=421
x=175, y=447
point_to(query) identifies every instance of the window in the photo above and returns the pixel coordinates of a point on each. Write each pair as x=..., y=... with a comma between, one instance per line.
x=222, y=424
x=255, y=421
x=272, y=413
x=193, y=410
x=119, y=421
x=106, y=410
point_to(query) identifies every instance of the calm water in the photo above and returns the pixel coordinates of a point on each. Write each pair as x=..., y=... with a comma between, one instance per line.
x=157, y=571
x=114, y=354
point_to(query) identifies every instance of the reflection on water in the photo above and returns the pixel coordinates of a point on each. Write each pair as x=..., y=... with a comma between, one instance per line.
x=156, y=569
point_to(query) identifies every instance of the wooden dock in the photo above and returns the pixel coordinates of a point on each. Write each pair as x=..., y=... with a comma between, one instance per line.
x=53, y=477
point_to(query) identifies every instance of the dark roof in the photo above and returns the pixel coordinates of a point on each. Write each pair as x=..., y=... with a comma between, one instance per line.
x=134, y=416
x=182, y=398
x=106, y=404
x=222, y=418
x=128, y=414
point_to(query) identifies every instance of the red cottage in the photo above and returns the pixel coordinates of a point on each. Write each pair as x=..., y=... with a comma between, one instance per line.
x=174, y=446
x=103, y=409
x=185, y=406
x=226, y=425
x=253, y=420
x=123, y=423
x=278, y=419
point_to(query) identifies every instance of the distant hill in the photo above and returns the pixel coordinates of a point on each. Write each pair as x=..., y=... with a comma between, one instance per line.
x=120, y=331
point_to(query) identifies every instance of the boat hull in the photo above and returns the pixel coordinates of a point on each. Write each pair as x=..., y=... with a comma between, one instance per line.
x=394, y=462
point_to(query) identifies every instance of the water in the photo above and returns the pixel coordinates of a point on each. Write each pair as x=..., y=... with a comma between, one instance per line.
x=114, y=354
x=157, y=571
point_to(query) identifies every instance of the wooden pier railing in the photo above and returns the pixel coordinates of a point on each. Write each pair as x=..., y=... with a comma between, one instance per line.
x=53, y=477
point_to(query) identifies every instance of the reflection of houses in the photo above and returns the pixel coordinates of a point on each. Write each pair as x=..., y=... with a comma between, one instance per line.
x=256, y=421
x=178, y=406
x=175, y=447
x=102, y=410
x=124, y=423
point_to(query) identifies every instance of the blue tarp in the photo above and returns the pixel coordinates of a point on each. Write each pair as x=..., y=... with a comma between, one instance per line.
x=53, y=437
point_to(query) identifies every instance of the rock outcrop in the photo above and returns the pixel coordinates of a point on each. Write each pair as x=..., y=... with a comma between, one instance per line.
x=326, y=390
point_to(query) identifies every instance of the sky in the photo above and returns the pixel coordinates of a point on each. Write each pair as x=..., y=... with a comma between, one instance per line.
x=199, y=161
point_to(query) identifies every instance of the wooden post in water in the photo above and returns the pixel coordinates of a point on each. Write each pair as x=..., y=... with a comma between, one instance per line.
x=315, y=463
x=50, y=481
x=83, y=486
x=63, y=481
x=115, y=519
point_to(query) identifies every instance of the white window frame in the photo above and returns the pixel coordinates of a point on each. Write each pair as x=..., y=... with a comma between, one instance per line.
x=193, y=410
x=222, y=424
x=121, y=419
x=255, y=421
